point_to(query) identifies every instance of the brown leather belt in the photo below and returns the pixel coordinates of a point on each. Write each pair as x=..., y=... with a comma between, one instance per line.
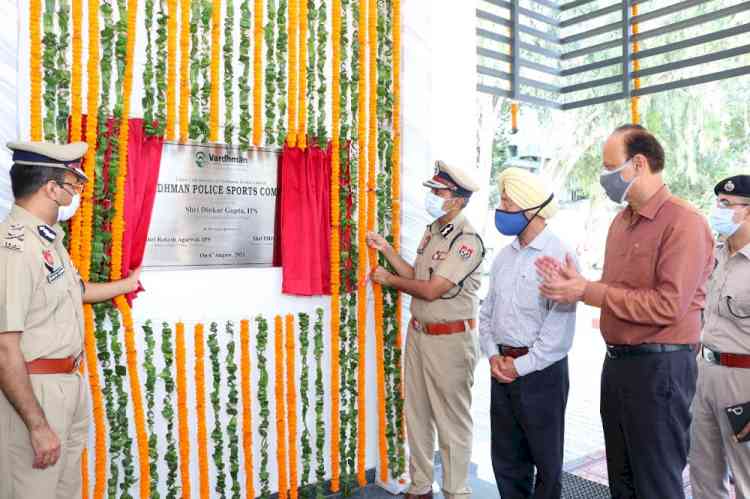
x=52, y=366
x=725, y=359
x=437, y=328
x=513, y=352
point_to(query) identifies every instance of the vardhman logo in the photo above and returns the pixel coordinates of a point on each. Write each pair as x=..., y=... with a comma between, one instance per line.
x=205, y=159
x=200, y=159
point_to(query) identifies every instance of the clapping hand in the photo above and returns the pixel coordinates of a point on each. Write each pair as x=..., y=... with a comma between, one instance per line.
x=561, y=282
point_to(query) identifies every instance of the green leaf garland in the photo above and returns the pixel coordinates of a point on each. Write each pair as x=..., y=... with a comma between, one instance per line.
x=282, y=46
x=161, y=69
x=63, y=71
x=321, y=133
x=49, y=53
x=261, y=344
x=231, y=411
x=205, y=65
x=312, y=24
x=304, y=386
x=270, y=74
x=229, y=72
x=149, y=92
x=150, y=396
x=320, y=426
x=168, y=412
x=246, y=131
x=217, y=435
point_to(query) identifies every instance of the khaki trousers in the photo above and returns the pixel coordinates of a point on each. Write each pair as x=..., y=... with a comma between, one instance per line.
x=713, y=451
x=63, y=398
x=439, y=374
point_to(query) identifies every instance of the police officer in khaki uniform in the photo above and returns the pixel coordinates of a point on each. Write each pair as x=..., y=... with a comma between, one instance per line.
x=44, y=412
x=441, y=346
x=724, y=360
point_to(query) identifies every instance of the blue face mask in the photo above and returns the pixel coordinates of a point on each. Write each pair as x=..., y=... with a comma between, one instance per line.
x=512, y=223
x=614, y=185
x=722, y=221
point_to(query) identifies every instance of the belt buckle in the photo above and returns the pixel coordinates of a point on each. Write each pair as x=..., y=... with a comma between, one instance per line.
x=710, y=356
x=77, y=363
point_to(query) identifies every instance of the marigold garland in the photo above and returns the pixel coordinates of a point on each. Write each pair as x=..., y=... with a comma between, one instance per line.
x=335, y=252
x=396, y=205
x=362, y=265
x=635, y=115
x=85, y=473
x=182, y=411
x=247, y=407
x=185, y=70
x=35, y=68
x=281, y=457
x=171, y=67
x=75, y=83
x=291, y=404
x=200, y=410
x=97, y=405
x=215, y=61
x=302, y=78
x=258, y=73
x=87, y=213
x=372, y=25
x=293, y=71
x=118, y=228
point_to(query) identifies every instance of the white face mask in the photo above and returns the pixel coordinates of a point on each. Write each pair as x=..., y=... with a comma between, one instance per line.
x=65, y=213
x=434, y=205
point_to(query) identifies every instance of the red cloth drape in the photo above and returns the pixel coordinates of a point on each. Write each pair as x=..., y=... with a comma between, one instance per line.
x=305, y=220
x=144, y=158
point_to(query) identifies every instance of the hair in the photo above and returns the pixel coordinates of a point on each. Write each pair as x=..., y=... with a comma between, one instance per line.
x=26, y=180
x=638, y=140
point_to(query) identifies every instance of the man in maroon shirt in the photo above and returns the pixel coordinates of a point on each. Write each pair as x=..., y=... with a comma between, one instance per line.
x=658, y=257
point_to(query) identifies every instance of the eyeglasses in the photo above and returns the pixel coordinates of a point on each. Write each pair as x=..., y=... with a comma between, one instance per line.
x=725, y=203
x=77, y=188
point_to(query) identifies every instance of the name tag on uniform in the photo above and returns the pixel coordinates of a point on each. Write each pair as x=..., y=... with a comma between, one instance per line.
x=440, y=255
x=53, y=273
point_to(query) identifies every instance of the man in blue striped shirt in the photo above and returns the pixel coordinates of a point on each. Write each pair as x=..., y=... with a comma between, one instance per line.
x=526, y=338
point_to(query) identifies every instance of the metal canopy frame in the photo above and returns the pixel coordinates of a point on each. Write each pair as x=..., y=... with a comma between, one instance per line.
x=518, y=37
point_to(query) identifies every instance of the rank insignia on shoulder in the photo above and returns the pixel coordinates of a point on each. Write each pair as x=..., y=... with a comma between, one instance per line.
x=14, y=238
x=446, y=230
x=47, y=233
x=465, y=251
x=55, y=274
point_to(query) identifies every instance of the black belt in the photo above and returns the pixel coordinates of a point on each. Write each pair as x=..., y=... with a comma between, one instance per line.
x=619, y=351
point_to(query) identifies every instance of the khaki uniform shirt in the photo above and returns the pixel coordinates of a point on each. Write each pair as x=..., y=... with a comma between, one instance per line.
x=459, y=262
x=40, y=291
x=726, y=318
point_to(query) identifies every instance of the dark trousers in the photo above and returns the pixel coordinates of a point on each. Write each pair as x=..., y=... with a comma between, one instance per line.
x=528, y=429
x=645, y=409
